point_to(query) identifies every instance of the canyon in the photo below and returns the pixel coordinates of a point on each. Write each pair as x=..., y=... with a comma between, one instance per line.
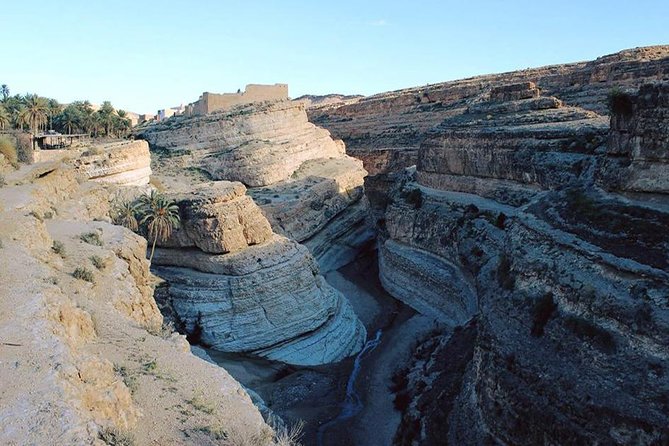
x=482, y=261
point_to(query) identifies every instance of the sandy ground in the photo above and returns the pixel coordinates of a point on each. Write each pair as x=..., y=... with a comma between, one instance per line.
x=314, y=394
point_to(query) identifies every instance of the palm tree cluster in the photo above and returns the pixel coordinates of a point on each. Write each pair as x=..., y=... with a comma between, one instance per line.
x=152, y=213
x=36, y=113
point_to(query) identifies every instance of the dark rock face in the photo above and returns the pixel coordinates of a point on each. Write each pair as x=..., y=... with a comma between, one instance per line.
x=553, y=231
x=387, y=130
x=637, y=146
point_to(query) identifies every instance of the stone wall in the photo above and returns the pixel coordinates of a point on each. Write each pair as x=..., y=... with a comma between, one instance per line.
x=211, y=102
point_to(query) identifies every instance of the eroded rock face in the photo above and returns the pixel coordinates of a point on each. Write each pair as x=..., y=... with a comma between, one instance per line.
x=256, y=144
x=263, y=295
x=83, y=351
x=387, y=130
x=568, y=283
x=323, y=206
x=126, y=163
x=638, y=141
x=509, y=149
x=305, y=184
x=218, y=217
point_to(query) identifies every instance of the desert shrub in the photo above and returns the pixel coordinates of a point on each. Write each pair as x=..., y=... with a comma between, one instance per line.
x=413, y=196
x=58, y=247
x=98, y=262
x=8, y=149
x=505, y=277
x=92, y=238
x=47, y=215
x=620, y=102
x=116, y=437
x=584, y=329
x=542, y=313
x=83, y=274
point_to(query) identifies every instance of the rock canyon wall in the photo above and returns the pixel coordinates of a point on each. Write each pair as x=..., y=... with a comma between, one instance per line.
x=540, y=227
x=238, y=274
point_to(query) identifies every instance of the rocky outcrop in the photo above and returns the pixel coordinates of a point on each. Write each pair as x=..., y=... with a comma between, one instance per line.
x=125, y=163
x=638, y=159
x=510, y=145
x=323, y=206
x=218, y=217
x=308, y=189
x=241, y=288
x=83, y=356
x=257, y=144
x=514, y=209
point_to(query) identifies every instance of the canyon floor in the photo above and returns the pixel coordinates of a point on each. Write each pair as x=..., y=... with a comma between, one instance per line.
x=315, y=394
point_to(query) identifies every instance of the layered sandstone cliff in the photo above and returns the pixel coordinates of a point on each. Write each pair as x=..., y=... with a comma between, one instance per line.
x=125, y=163
x=386, y=130
x=242, y=288
x=516, y=226
x=307, y=187
x=83, y=356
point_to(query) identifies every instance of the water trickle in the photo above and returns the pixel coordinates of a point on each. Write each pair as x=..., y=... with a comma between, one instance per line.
x=352, y=404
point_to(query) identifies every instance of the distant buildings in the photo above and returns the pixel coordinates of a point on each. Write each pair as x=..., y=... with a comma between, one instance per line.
x=211, y=102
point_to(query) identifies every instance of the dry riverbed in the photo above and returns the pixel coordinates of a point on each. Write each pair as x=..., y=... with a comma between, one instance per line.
x=315, y=394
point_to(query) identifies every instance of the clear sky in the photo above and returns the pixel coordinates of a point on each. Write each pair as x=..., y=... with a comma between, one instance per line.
x=145, y=55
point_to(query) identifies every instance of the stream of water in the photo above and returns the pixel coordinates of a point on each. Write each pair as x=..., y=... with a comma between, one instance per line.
x=352, y=404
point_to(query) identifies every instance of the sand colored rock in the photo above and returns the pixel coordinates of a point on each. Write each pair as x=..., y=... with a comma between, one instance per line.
x=76, y=356
x=323, y=206
x=308, y=189
x=265, y=298
x=218, y=218
x=257, y=144
x=125, y=163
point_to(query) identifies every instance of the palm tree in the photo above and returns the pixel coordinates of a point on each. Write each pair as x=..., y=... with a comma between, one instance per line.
x=70, y=118
x=106, y=113
x=125, y=213
x=5, y=118
x=4, y=90
x=35, y=113
x=161, y=215
x=53, y=109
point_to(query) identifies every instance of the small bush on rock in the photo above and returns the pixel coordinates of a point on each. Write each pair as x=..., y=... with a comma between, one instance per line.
x=92, y=238
x=414, y=196
x=83, y=274
x=505, y=277
x=542, y=313
x=98, y=262
x=59, y=248
x=116, y=437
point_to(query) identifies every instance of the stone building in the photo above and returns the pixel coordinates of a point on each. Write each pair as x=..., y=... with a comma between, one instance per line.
x=211, y=102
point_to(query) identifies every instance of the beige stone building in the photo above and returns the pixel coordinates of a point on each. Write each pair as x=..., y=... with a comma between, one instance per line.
x=211, y=102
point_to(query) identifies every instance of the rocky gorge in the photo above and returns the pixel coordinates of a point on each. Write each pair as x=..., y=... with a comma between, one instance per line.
x=483, y=261
x=535, y=226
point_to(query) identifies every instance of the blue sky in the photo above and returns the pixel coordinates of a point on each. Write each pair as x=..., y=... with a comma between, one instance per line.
x=148, y=55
